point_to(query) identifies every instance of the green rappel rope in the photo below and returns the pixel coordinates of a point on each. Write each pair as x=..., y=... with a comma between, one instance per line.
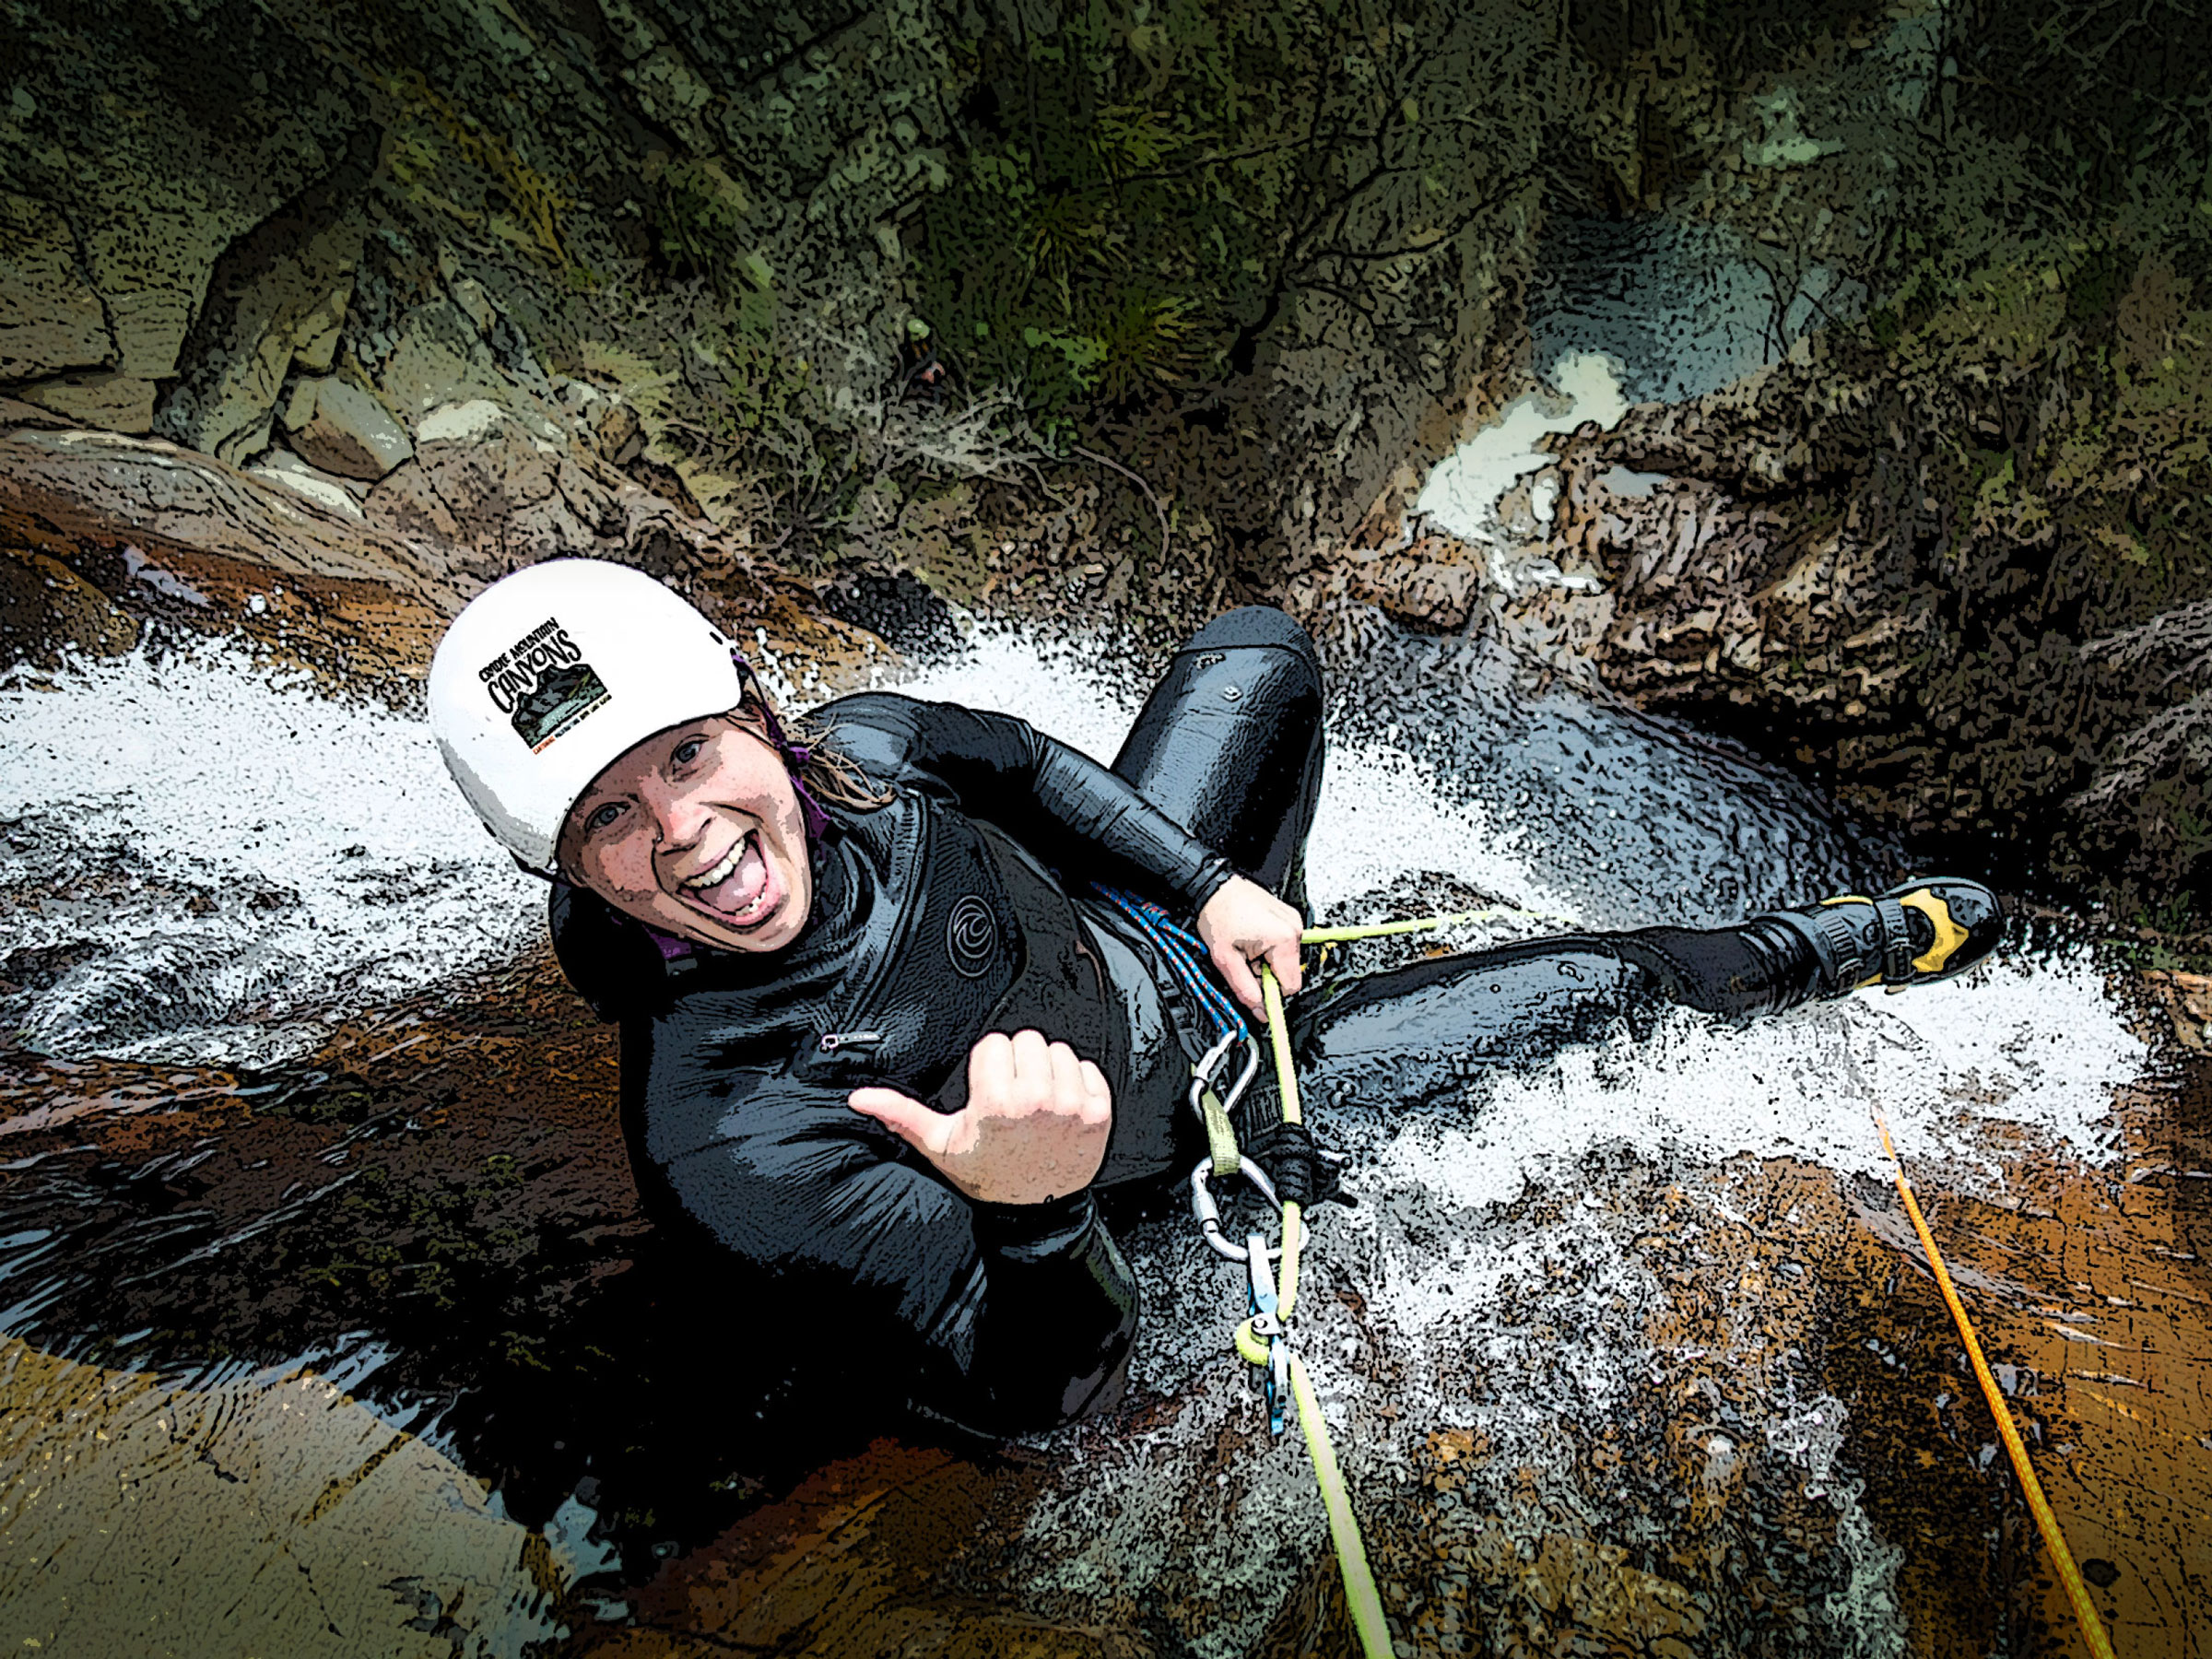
x=1360, y=1593
x=1361, y=1596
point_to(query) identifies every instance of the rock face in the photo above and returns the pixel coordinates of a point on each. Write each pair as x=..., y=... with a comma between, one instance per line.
x=101, y=530
x=722, y=218
x=1436, y=583
x=298, y=197
x=46, y=609
x=1800, y=560
x=51, y=317
x=342, y=429
x=275, y=300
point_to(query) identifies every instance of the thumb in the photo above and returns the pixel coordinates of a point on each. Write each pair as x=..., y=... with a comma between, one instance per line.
x=904, y=1116
x=1283, y=959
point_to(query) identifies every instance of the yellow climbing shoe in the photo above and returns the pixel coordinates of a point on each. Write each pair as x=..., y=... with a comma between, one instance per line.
x=1920, y=931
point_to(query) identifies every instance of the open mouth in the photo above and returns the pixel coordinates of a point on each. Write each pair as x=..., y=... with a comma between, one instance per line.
x=736, y=891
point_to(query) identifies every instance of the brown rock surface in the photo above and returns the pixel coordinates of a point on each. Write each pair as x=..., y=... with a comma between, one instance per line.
x=161, y=530
x=46, y=608
x=2187, y=999
x=110, y=1478
x=619, y=435
x=850, y=1566
x=1434, y=585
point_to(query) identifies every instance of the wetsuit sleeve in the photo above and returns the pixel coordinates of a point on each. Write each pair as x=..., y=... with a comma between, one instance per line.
x=1007, y=1318
x=1059, y=803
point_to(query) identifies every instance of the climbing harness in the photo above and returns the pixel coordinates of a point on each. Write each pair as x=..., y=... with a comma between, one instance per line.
x=2085, y=1612
x=1182, y=951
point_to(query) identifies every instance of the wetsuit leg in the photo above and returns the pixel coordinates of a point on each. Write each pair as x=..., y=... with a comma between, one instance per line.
x=1415, y=1032
x=1229, y=745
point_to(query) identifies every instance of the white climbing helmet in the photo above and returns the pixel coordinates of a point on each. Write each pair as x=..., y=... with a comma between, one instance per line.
x=550, y=674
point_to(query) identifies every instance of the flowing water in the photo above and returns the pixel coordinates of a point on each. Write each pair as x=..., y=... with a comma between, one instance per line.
x=199, y=865
x=330, y=1327
x=1491, y=1282
x=1498, y=1285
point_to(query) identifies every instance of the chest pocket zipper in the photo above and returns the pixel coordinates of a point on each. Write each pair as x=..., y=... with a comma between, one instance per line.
x=830, y=1041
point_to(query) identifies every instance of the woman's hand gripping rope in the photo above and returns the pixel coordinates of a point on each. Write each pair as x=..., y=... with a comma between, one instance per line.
x=1244, y=927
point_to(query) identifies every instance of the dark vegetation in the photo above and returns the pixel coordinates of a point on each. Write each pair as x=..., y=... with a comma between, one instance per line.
x=2016, y=437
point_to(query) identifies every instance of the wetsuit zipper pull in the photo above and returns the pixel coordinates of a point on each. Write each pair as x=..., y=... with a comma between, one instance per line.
x=830, y=1041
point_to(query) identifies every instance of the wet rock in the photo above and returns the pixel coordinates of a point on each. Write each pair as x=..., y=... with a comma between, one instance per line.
x=362, y=588
x=35, y=968
x=163, y=533
x=107, y=489
x=406, y=502
x=341, y=429
x=51, y=317
x=46, y=609
x=511, y=495
x=2188, y=998
x=114, y=1477
x=860, y=1560
x=281, y=467
x=898, y=606
x=1434, y=585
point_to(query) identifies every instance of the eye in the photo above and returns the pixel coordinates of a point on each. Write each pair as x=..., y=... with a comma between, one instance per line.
x=603, y=817
x=687, y=751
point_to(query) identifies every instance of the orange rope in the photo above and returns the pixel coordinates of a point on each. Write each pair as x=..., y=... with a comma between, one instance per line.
x=2092, y=1627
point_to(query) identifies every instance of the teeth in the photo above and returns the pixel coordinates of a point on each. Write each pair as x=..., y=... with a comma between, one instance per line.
x=721, y=872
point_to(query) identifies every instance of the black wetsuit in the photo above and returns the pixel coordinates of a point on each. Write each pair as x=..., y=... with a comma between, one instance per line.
x=965, y=906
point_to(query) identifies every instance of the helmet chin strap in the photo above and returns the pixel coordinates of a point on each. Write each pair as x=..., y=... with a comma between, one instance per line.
x=796, y=755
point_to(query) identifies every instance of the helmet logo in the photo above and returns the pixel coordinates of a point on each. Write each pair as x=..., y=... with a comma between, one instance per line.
x=543, y=684
x=968, y=938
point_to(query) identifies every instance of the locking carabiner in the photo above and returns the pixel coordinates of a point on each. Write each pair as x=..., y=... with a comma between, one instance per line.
x=1209, y=1214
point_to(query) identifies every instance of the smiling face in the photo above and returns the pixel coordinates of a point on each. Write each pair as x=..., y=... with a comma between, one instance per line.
x=697, y=831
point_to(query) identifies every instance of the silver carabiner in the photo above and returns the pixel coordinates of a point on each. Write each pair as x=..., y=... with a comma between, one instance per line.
x=1201, y=1074
x=1209, y=1214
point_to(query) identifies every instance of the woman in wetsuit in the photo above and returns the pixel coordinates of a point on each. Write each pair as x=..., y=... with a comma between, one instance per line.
x=883, y=1032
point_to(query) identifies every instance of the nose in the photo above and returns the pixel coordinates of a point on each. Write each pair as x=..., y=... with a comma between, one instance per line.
x=679, y=816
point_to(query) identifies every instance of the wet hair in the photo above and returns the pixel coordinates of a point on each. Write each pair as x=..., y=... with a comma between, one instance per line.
x=827, y=771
